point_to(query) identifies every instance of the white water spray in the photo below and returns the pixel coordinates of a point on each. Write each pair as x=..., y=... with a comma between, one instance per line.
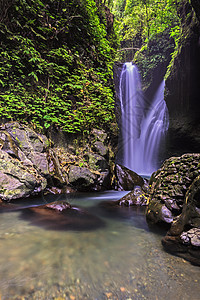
x=143, y=126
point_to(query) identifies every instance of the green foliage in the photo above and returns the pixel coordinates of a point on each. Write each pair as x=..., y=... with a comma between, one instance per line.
x=152, y=28
x=56, y=65
x=145, y=18
x=154, y=54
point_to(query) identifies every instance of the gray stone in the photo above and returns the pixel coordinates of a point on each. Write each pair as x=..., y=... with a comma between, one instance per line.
x=16, y=181
x=100, y=148
x=27, y=145
x=81, y=178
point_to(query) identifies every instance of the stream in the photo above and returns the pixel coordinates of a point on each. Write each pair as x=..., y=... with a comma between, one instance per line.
x=123, y=259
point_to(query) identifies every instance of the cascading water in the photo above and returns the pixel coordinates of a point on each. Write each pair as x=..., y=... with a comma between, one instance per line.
x=143, y=126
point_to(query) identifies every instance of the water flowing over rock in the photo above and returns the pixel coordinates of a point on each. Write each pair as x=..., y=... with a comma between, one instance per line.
x=153, y=132
x=143, y=124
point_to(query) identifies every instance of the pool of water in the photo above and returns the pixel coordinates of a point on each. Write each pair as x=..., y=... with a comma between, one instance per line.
x=121, y=260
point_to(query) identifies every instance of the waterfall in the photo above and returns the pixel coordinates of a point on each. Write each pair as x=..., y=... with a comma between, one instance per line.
x=143, y=125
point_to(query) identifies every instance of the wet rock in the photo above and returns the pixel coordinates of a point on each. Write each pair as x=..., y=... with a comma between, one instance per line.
x=158, y=213
x=103, y=181
x=126, y=179
x=169, y=185
x=61, y=216
x=191, y=236
x=89, y=171
x=74, y=165
x=182, y=85
x=135, y=197
x=184, y=246
x=183, y=238
x=16, y=181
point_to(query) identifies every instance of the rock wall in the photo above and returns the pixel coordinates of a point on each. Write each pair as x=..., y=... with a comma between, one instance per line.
x=30, y=163
x=182, y=85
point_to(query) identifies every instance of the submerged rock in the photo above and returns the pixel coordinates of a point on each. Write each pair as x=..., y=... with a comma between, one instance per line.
x=61, y=216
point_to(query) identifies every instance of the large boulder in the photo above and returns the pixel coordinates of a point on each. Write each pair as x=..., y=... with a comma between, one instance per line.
x=81, y=178
x=126, y=179
x=27, y=162
x=183, y=238
x=26, y=145
x=98, y=135
x=16, y=180
x=97, y=162
x=168, y=187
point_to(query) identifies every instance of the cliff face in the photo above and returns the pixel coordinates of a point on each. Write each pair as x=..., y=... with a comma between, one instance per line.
x=182, y=85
